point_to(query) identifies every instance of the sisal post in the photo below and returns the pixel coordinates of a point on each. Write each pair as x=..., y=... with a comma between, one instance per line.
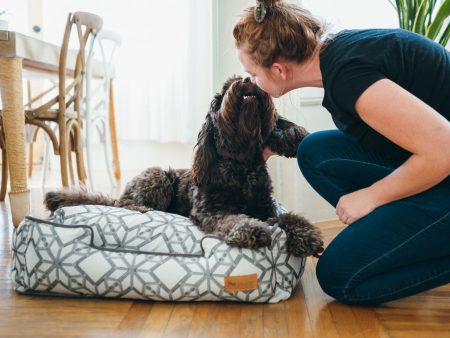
x=14, y=128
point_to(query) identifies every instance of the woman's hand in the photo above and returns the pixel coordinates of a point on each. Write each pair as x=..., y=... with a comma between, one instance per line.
x=267, y=152
x=356, y=205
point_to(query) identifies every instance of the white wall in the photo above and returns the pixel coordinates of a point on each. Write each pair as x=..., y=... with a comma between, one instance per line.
x=349, y=14
x=16, y=15
x=225, y=15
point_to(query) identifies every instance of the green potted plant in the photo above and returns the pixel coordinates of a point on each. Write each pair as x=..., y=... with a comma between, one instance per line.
x=427, y=17
x=3, y=22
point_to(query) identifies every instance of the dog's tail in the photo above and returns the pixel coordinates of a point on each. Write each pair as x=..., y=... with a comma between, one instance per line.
x=58, y=199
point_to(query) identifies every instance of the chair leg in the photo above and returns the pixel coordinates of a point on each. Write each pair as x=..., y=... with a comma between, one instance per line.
x=63, y=153
x=45, y=165
x=107, y=148
x=80, y=158
x=113, y=133
x=4, y=176
x=69, y=160
x=88, y=139
x=30, y=160
x=31, y=147
x=78, y=148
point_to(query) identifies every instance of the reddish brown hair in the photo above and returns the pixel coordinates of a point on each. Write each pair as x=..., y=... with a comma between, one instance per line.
x=287, y=31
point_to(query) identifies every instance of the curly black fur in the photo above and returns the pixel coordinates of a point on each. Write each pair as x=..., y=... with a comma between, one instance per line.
x=228, y=191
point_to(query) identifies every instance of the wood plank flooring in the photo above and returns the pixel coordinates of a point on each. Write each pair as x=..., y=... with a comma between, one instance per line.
x=308, y=313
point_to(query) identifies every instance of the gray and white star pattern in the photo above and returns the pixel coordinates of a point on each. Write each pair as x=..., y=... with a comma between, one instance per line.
x=100, y=251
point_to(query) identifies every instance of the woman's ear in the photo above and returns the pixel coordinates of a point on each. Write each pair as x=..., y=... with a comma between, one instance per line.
x=280, y=69
x=205, y=156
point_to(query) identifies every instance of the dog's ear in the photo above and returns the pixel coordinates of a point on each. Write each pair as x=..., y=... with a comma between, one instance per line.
x=216, y=102
x=218, y=97
x=205, y=154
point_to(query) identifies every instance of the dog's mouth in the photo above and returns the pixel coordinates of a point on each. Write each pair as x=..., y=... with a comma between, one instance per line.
x=250, y=92
x=249, y=98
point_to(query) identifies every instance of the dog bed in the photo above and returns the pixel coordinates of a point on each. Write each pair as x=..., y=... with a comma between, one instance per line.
x=99, y=251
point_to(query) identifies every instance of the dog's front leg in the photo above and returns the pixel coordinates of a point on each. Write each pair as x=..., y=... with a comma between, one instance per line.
x=303, y=239
x=235, y=229
x=285, y=137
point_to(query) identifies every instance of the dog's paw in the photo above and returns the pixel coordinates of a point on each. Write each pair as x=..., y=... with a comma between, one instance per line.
x=303, y=239
x=249, y=236
x=301, y=244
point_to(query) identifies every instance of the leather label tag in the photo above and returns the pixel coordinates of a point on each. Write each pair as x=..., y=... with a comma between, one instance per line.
x=241, y=283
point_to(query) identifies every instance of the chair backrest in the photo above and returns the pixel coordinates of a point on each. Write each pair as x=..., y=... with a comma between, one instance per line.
x=70, y=91
x=114, y=40
x=101, y=50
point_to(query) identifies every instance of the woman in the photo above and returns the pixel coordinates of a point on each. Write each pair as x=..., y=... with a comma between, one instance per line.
x=386, y=169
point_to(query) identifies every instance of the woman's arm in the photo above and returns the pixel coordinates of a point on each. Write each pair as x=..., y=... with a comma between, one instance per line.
x=414, y=126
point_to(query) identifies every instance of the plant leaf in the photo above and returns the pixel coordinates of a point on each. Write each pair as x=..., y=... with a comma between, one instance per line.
x=445, y=37
x=423, y=11
x=442, y=14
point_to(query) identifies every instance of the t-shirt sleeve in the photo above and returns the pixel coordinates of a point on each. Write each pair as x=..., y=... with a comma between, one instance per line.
x=350, y=82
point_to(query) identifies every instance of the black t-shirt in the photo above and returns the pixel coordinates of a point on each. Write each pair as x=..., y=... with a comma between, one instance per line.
x=354, y=59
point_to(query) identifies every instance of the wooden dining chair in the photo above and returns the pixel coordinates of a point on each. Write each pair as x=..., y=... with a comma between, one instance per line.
x=63, y=109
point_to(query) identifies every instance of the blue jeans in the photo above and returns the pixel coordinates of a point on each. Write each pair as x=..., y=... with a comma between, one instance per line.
x=397, y=250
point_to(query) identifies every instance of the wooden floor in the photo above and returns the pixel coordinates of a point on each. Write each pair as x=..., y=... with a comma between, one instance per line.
x=308, y=313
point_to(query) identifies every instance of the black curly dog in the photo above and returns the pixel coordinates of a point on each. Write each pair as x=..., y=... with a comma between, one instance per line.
x=228, y=191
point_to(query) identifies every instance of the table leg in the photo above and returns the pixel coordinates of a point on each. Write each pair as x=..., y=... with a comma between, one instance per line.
x=14, y=129
x=113, y=133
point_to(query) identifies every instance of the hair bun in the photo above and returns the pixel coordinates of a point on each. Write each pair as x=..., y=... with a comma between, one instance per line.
x=261, y=8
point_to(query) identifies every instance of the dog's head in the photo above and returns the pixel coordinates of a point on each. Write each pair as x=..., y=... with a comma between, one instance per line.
x=240, y=120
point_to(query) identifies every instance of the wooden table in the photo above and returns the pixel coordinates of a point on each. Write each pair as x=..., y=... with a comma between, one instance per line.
x=19, y=52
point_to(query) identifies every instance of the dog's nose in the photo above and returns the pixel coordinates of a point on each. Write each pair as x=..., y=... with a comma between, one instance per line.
x=247, y=80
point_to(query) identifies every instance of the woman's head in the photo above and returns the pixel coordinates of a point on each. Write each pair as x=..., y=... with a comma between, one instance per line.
x=285, y=32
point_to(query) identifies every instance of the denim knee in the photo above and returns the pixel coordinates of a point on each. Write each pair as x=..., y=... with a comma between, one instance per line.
x=331, y=278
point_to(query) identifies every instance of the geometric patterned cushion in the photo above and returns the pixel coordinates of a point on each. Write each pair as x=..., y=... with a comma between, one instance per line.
x=100, y=251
